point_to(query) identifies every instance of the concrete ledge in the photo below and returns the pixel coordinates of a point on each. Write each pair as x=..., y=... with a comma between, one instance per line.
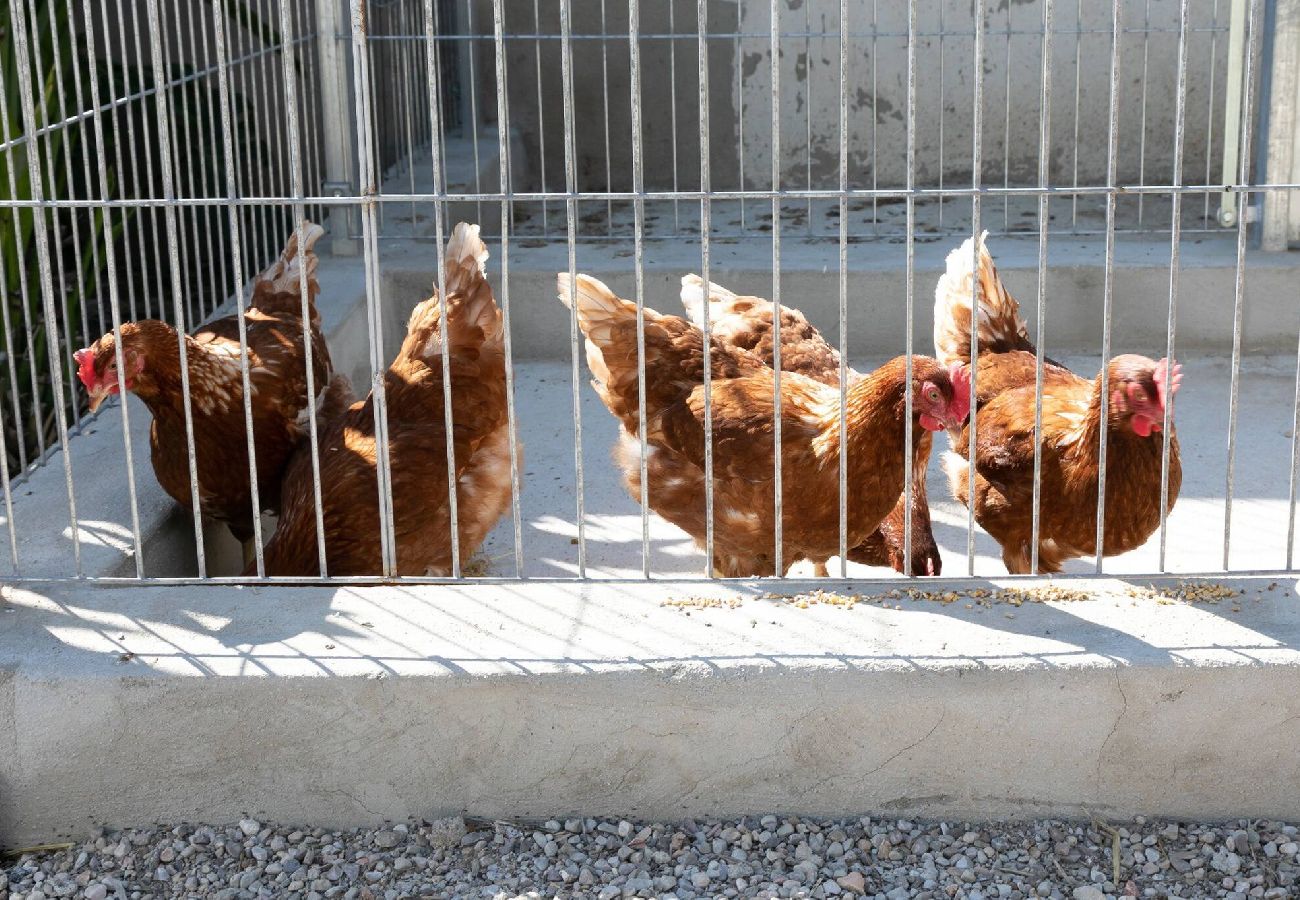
x=877, y=286
x=348, y=706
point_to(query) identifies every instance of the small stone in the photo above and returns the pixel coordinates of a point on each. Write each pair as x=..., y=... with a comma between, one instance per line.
x=854, y=881
x=625, y=827
x=701, y=880
x=386, y=840
x=96, y=892
x=1290, y=848
x=250, y=827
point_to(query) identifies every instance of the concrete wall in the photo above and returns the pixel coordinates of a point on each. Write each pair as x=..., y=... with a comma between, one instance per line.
x=740, y=93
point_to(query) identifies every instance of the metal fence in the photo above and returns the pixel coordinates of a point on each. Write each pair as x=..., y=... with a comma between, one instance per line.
x=157, y=157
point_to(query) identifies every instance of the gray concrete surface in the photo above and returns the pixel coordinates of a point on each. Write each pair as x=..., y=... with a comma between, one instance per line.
x=877, y=287
x=541, y=343
x=740, y=92
x=1196, y=526
x=347, y=706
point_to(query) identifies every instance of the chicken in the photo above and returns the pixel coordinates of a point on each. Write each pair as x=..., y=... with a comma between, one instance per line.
x=417, y=450
x=277, y=373
x=1139, y=390
x=744, y=451
x=746, y=322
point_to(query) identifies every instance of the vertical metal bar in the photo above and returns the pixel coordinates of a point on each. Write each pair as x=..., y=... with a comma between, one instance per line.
x=571, y=217
x=336, y=122
x=638, y=224
x=370, y=253
x=1044, y=220
x=808, y=102
x=237, y=262
x=875, y=121
x=178, y=304
x=289, y=55
x=76, y=231
x=1078, y=93
x=133, y=169
x=706, y=227
x=194, y=307
x=1108, y=284
x=200, y=216
x=94, y=245
x=43, y=261
x=314, y=104
x=267, y=147
x=774, y=48
x=11, y=357
x=252, y=162
x=604, y=76
x=977, y=178
x=114, y=302
x=1239, y=285
x=9, y=500
x=406, y=99
x=842, y=477
x=1209, y=113
x=672, y=107
x=1232, y=111
x=453, y=507
x=541, y=115
x=46, y=119
x=1294, y=481
x=737, y=91
x=942, y=81
x=503, y=151
x=148, y=153
x=24, y=292
x=910, y=292
x=1006, y=129
x=1175, y=241
x=471, y=47
x=1142, y=122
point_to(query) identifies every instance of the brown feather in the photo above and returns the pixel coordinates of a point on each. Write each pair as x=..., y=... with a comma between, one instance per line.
x=744, y=451
x=746, y=322
x=413, y=386
x=277, y=375
x=1071, y=437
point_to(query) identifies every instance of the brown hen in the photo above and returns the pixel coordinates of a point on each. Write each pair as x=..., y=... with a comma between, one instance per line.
x=1139, y=387
x=417, y=450
x=744, y=447
x=746, y=322
x=277, y=375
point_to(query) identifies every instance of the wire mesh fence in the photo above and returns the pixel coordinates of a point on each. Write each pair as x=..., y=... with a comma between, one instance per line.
x=156, y=159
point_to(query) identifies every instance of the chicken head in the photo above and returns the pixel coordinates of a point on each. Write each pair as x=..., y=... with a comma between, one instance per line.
x=1140, y=389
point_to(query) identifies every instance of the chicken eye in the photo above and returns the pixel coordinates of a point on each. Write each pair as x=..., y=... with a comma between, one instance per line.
x=932, y=395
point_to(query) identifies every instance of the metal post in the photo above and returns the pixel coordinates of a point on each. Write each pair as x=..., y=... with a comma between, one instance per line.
x=1282, y=208
x=339, y=130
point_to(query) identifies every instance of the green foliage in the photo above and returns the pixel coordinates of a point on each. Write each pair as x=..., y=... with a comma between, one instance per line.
x=69, y=165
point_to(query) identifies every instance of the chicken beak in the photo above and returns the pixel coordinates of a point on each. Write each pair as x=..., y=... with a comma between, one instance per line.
x=98, y=394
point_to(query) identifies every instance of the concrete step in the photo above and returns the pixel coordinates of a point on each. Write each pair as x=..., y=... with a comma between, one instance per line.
x=877, y=287
x=347, y=706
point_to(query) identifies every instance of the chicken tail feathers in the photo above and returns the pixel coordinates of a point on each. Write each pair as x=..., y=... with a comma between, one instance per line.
x=601, y=312
x=473, y=317
x=284, y=275
x=1000, y=326
x=693, y=298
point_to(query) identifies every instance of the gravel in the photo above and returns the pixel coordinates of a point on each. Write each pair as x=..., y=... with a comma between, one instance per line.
x=762, y=856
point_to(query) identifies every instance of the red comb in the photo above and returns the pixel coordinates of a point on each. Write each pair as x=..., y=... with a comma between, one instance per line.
x=1167, y=379
x=85, y=366
x=959, y=374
